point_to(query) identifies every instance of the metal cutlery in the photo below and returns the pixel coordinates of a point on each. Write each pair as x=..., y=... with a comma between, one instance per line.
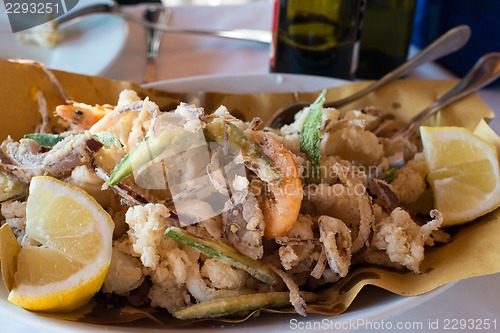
x=485, y=71
x=259, y=36
x=449, y=42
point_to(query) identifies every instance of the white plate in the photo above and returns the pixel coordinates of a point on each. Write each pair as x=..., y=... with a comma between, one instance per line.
x=248, y=83
x=371, y=305
x=89, y=45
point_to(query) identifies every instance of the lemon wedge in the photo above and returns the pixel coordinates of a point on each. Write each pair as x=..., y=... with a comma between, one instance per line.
x=71, y=262
x=463, y=173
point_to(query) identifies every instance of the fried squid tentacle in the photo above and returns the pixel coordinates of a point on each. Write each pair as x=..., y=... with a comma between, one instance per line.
x=296, y=298
x=336, y=239
x=349, y=176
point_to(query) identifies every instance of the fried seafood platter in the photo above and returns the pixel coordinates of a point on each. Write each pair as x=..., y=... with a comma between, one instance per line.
x=120, y=203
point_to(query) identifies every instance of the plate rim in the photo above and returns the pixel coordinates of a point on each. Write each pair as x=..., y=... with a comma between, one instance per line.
x=283, y=82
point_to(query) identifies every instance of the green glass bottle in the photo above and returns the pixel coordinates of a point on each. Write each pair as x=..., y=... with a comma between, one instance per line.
x=316, y=37
x=385, y=37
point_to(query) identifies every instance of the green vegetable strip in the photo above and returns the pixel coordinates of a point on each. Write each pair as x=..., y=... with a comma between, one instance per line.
x=310, y=135
x=46, y=139
x=225, y=306
x=389, y=174
x=256, y=160
x=145, y=152
x=107, y=139
x=225, y=254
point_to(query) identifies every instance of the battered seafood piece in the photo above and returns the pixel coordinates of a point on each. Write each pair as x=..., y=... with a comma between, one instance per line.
x=25, y=159
x=243, y=225
x=409, y=181
x=297, y=245
x=402, y=239
x=337, y=242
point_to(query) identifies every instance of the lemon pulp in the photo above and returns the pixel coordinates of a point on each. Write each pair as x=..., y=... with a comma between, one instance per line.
x=69, y=263
x=463, y=172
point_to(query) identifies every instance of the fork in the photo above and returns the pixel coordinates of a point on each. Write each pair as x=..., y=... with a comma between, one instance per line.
x=485, y=71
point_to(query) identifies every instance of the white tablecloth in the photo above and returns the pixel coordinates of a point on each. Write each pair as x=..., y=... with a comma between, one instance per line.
x=188, y=55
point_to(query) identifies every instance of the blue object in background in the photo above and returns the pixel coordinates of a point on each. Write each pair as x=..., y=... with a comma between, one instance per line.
x=435, y=17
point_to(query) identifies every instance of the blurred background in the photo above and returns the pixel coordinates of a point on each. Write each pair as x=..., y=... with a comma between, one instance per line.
x=194, y=2
x=431, y=18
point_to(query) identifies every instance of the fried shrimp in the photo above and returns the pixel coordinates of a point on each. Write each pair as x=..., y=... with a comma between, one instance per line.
x=82, y=114
x=281, y=208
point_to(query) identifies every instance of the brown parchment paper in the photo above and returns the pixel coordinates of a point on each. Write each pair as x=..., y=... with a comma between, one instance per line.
x=474, y=251
x=19, y=83
x=403, y=98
